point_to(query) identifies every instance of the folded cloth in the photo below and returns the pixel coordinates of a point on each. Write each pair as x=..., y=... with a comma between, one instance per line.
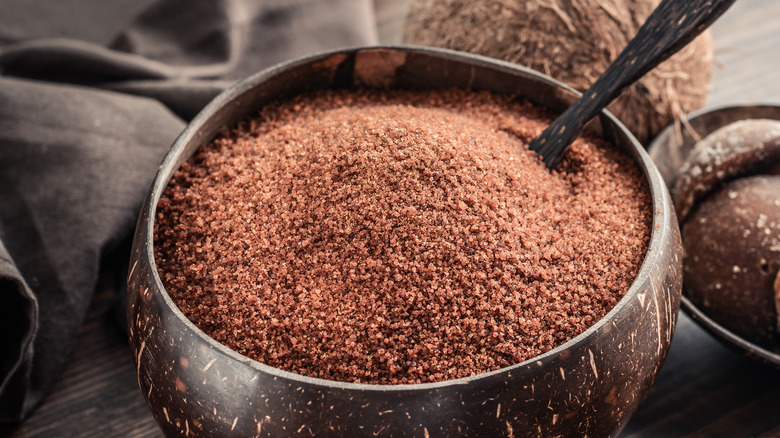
x=92, y=93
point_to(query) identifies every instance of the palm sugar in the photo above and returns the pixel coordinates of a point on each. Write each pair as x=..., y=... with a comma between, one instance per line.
x=395, y=237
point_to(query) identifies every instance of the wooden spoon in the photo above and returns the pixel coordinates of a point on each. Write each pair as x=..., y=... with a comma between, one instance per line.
x=672, y=25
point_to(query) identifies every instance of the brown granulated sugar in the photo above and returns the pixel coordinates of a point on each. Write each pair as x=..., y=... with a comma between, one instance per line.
x=397, y=237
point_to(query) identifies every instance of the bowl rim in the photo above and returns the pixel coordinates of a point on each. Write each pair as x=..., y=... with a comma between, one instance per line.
x=718, y=331
x=170, y=163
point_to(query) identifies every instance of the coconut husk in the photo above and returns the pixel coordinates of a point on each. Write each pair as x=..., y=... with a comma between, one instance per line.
x=573, y=41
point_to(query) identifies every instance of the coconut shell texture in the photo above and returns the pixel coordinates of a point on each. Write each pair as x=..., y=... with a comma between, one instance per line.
x=573, y=41
x=726, y=198
x=732, y=257
x=740, y=148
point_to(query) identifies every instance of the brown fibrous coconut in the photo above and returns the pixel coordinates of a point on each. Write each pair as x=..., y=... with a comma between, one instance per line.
x=573, y=41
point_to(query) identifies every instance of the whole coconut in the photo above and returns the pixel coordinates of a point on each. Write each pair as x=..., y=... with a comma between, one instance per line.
x=573, y=41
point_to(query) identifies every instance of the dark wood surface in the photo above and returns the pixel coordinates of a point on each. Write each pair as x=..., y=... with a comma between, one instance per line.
x=704, y=389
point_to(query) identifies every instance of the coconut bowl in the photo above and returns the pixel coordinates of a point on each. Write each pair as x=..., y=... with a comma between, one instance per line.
x=669, y=151
x=588, y=386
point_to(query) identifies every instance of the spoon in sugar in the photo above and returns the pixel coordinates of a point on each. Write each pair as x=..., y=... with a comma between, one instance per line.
x=672, y=25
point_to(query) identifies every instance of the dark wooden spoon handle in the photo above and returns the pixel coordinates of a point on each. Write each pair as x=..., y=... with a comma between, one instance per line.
x=672, y=25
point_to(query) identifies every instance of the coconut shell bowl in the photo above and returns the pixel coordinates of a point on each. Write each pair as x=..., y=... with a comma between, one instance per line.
x=670, y=150
x=588, y=386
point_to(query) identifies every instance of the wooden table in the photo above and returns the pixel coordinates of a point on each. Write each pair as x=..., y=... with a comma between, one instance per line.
x=704, y=389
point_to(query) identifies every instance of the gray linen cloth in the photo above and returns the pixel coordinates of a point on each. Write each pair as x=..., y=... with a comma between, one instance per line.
x=92, y=94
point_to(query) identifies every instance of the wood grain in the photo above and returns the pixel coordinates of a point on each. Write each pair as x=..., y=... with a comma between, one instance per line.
x=97, y=393
x=747, y=54
x=703, y=390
